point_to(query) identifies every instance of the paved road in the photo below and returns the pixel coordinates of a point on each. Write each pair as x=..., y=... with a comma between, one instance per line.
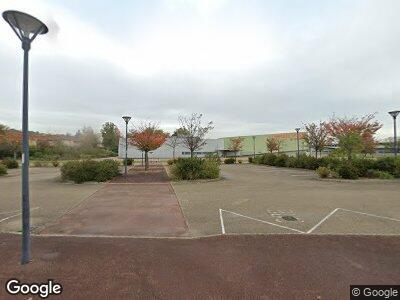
x=224, y=267
x=143, y=205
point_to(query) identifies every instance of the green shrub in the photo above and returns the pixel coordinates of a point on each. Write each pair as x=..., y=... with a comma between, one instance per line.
x=129, y=161
x=323, y=172
x=106, y=170
x=195, y=168
x=250, y=158
x=239, y=161
x=170, y=162
x=386, y=164
x=39, y=164
x=210, y=169
x=280, y=160
x=291, y=162
x=268, y=159
x=229, y=160
x=385, y=175
x=397, y=168
x=89, y=170
x=10, y=163
x=55, y=163
x=371, y=173
x=3, y=169
x=347, y=171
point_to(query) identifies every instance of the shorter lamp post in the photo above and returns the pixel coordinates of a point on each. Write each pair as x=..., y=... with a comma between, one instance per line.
x=298, y=142
x=395, y=144
x=126, y=119
x=254, y=146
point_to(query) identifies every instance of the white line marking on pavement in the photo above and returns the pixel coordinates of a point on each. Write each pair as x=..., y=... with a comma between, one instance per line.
x=299, y=231
x=222, y=221
x=5, y=219
x=371, y=215
x=262, y=221
x=323, y=220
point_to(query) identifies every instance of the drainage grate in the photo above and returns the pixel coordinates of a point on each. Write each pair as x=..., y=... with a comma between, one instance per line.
x=289, y=218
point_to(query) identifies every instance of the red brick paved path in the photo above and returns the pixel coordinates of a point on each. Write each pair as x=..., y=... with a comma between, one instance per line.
x=226, y=267
x=146, y=206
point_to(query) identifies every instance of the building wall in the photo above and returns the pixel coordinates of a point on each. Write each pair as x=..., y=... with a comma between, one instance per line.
x=220, y=146
x=289, y=143
x=165, y=151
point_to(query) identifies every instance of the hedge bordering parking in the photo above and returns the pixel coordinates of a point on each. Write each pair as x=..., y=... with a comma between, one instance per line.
x=81, y=171
x=384, y=168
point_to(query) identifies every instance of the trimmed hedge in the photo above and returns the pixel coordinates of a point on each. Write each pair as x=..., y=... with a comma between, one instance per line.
x=195, y=168
x=229, y=161
x=10, y=163
x=81, y=171
x=385, y=167
x=3, y=169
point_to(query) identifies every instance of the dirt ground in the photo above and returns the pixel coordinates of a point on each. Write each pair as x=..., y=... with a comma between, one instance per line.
x=224, y=267
x=49, y=197
x=253, y=199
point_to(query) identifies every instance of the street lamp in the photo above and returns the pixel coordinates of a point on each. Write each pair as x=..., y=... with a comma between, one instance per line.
x=298, y=143
x=26, y=28
x=126, y=119
x=394, y=115
x=254, y=146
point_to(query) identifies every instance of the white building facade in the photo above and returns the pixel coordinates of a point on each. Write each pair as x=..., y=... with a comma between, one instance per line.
x=165, y=151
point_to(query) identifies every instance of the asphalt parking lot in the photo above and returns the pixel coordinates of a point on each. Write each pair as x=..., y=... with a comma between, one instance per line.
x=262, y=199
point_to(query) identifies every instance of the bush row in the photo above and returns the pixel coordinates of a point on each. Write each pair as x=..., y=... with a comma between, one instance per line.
x=386, y=167
x=89, y=170
x=195, y=168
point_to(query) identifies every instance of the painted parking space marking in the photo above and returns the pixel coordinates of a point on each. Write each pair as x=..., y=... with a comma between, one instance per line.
x=280, y=213
x=16, y=215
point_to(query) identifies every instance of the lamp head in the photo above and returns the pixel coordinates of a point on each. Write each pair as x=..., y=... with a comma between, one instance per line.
x=394, y=113
x=126, y=119
x=297, y=129
x=25, y=26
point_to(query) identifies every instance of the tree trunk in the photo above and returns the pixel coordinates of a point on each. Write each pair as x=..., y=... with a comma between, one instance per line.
x=316, y=153
x=173, y=154
x=191, y=153
x=146, y=161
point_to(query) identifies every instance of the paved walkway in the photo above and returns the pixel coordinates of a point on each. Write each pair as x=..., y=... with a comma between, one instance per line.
x=144, y=204
x=224, y=267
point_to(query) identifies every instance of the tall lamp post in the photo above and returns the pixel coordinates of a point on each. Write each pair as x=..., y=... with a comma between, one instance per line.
x=254, y=146
x=126, y=119
x=395, y=144
x=298, y=142
x=26, y=28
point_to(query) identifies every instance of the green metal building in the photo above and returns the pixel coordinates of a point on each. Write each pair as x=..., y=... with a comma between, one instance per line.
x=257, y=144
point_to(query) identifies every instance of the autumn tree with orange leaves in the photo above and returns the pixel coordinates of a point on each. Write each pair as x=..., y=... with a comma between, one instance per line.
x=354, y=135
x=147, y=137
x=236, y=145
x=273, y=144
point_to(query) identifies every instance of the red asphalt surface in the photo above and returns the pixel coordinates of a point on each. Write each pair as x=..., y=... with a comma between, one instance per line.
x=223, y=267
x=143, y=204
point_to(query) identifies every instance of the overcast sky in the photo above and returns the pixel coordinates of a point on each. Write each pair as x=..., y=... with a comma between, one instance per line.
x=252, y=66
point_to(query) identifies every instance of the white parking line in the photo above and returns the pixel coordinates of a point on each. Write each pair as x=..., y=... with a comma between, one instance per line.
x=299, y=231
x=247, y=217
x=5, y=219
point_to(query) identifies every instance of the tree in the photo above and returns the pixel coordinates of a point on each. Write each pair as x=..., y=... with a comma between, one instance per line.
x=110, y=134
x=87, y=138
x=175, y=140
x=194, y=131
x=344, y=131
x=273, y=144
x=147, y=137
x=316, y=136
x=236, y=144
